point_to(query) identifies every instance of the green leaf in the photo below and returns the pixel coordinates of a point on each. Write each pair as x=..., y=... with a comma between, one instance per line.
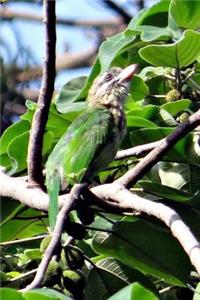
x=33, y=254
x=44, y=294
x=112, y=275
x=175, y=107
x=166, y=192
x=186, y=13
x=143, y=246
x=151, y=33
x=179, y=54
x=69, y=93
x=8, y=293
x=156, y=15
x=11, y=132
x=134, y=291
x=112, y=47
x=138, y=88
x=30, y=225
x=139, y=122
x=18, y=149
x=197, y=292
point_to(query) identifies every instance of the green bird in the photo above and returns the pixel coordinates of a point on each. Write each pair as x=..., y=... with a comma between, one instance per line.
x=92, y=140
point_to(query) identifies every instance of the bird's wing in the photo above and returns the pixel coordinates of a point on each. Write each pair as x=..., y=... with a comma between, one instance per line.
x=85, y=144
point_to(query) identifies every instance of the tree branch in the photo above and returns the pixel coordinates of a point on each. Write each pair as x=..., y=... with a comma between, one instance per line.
x=41, y=115
x=113, y=194
x=120, y=11
x=137, y=150
x=8, y=14
x=63, y=61
x=136, y=173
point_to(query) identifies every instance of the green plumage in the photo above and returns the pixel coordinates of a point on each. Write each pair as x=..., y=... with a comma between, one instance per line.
x=91, y=141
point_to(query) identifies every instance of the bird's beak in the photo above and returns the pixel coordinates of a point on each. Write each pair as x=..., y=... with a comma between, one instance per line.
x=127, y=73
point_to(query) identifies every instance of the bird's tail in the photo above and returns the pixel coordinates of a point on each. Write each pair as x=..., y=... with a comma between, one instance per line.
x=53, y=186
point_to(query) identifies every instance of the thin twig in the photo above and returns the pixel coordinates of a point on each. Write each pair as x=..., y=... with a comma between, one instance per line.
x=41, y=115
x=34, y=238
x=119, y=10
x=137, y=150
x=139, y=170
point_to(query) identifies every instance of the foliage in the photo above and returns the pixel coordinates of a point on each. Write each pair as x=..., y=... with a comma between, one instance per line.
x=140, y=256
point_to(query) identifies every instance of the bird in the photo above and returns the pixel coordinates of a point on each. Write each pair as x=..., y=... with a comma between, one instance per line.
x=91, y=141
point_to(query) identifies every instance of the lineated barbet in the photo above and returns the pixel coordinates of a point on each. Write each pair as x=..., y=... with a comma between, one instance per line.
x=92, y=140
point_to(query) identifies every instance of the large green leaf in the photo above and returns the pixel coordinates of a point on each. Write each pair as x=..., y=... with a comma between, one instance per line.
x=179, y=54
x=156, y=15
x=133, y=121
x=44, y=294
x=147, y=248
x=134, y=291
x=11, y=132
x=69, y=94
x=112, y=275
x=138, y=88
x=166, y=192
x=112, y=47
x=27, y=225
x=8, y=293
x=175, y=107
x=18, y=148
x=151, y=33
x=186, y=13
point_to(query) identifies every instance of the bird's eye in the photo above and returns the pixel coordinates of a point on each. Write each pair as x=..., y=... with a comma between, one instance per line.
x=108, y=77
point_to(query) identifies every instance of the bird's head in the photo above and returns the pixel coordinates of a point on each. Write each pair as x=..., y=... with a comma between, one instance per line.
x=111, y=88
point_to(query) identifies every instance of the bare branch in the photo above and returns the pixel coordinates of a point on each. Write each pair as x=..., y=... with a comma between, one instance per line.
x=64, y=61
x=137, y=150
x=119, y=10
x=8, y=14
x=117, y=196
x=136, y=173
x=41, y=115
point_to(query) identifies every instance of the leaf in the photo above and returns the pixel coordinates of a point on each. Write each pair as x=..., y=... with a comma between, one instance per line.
x=8, y=293
x=197, y=292
x=134, y=291
x=139, y=122
x=151, y=33
x=143, y=246
x=18, y=149
x=186, y=13
x=112, y=275
x=165, y=191
x=126, y=273
x=179, y=54
x=11, y=132
x=31, y=224
x=156, y=15
x=44, y=294
x=138, y=88
x=112, y=47
x=150, y=72
x=69, y=93
x=175, y=107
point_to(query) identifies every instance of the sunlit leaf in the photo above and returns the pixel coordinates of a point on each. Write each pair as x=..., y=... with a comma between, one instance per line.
x=179, y=54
